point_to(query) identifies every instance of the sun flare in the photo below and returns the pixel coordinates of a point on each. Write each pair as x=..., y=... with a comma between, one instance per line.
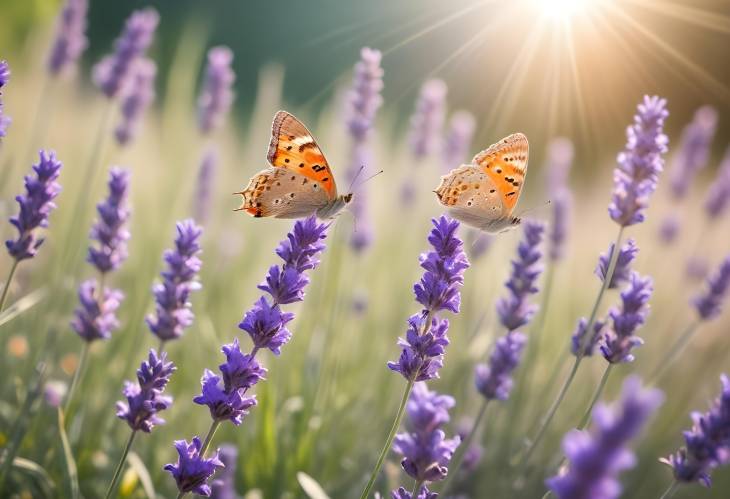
x=563, y=10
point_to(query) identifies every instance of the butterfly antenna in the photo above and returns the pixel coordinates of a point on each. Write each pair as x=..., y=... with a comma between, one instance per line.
x=354, y=179
x=371, y=177
x=533, y=208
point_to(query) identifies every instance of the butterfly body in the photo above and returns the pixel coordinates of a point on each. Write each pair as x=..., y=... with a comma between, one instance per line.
x=484, y=193
x=299, y=181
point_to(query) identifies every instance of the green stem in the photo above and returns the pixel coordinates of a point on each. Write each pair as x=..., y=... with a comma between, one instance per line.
x=118, y=470
x=161, y=348
x=670, y=491
x=463, y=448
x=581, y=351
x=388, y=442
x=673, y=352
x=416, y=487
x=596, y=396
x=209, y=437
x=20, y=426
x=77, y=376
x=6, y=286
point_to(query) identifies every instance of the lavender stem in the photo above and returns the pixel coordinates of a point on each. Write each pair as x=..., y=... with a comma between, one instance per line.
x=77, y=375
x=464, y=447
x=670, y=490
x=209, y=437
x=416, y=486
x=6, y=286
x=579, y=356
x=596, y=396
x=672, y=353
x=120, y=465
x=391, y=435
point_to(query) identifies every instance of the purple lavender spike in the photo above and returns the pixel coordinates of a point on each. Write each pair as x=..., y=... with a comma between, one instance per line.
x=70, y=41
x=144, y=398
x=457, y=142
x=425, y=449
x=113, y=72
x=598, y=455
x=707, y=444
x=204, y=186
x=428, y=119
x=620, y=339
x=192, y=470
x=718, y=197
x=361, y=106
x=560, y=159
x=639, y=165
x=4, y=78
x=694, y=150
x=217, y=95
x=709, y=303
x=110, y=230
x=35, y=206
x=494, y=380
x=138, y=97
x=95, y=317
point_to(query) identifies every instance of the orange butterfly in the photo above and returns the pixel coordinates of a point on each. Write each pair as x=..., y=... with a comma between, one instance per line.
x=299, y=183
x=484, y=193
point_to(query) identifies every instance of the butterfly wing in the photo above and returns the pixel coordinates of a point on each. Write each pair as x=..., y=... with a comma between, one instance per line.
x=292, y=147
x=506, y=165
x=471, y=196
x=281, y=193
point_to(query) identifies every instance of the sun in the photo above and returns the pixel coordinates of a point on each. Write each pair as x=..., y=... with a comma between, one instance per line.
x=564, y=10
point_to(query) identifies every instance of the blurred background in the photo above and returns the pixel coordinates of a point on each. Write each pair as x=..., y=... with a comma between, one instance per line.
x=548, y=68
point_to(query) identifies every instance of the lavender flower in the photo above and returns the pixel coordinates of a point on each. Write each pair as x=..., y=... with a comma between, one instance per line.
x=70, y=39
x=192, y=470
x=639, y=165
x=579, y=334
x=428, y=119
x=138, y=97
x=239, y=373
x=113, y=72
x=622, y=271
x=223, y=487
x=709, y=304
x=265, y=322
x=598, y=455
x=458, y=138
x=172, y=310
x=361, y=106
x=4, y=73
x=694, y=150
x=515, y=310
x=217, y=96
x=425, y=449
x=4, y=77
x=718, y=197
x=494, y=381
x=223, y=404
x=424, y=493
x=204, y=186
x=560, y=159
x=707, y=444
x=425, y=342
x=95, y=317
x=618, y=341
x=35, y=206
x=364, y=99
x=696, y=268
x=110, y=229
x=144, y=398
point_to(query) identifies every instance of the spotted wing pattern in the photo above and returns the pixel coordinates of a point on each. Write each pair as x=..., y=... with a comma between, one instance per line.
x=506, y=165
x=292, y=147
x=281, y=193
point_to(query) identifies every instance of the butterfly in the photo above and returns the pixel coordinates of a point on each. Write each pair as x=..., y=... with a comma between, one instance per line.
x=299, y=181
x=484, y=193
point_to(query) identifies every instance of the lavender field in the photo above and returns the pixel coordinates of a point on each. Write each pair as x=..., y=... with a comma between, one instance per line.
x=158, y=341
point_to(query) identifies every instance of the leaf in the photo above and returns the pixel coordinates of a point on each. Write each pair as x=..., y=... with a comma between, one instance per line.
x=26, y=302
x=68, y=457
x=310, y=486
x=36, y=472
x=134, y=462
